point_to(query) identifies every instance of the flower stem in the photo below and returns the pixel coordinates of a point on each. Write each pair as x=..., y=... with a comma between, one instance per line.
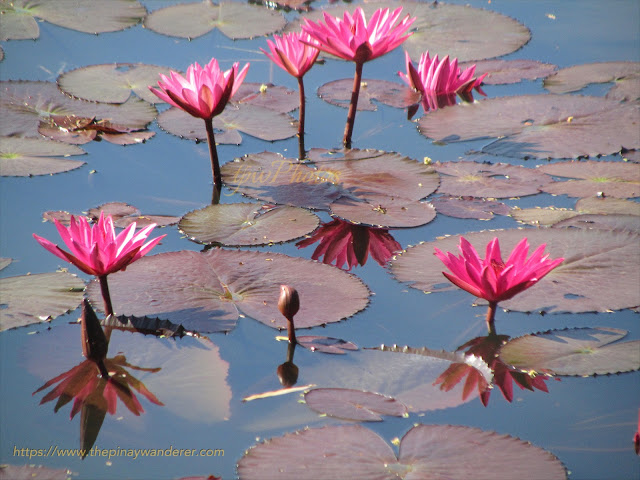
x=491, y=316
x=213, y=154
x=301, y=151
x=106, y=296
x=353, y=107
x=291, y=330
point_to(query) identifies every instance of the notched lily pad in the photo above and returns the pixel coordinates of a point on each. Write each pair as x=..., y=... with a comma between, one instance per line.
x=207, y=292
x=498, y=180
x=469, y=207
x=247, y=224
x=28, y=299
x=326, y=344
x=572, y=79
x=598, y=274
x=576, y=351
x=500, y=72
x=233, y=19
x=24, y=157
x=124, y=215
x=338, y=92
x=33, y=472
x=539, y=126
x=331, y=451
x=81, y=130
x=356, y=405
x=113, y=82
x=593, y=178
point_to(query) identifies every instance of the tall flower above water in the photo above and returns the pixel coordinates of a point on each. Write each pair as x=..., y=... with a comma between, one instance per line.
x=492, y=278
x=295, y=57
x=356, y=39
x=203, y=93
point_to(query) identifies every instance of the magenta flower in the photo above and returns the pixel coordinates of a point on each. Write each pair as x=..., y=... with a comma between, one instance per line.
x=353, y=38
x=203, y=93
x=296, y=57
x=96, y=249
x=345, y=242
x=492, y=278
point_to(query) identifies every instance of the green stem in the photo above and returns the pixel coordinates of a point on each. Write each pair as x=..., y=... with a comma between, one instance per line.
x=213, y=154
x=353, y=107
x=491, y=316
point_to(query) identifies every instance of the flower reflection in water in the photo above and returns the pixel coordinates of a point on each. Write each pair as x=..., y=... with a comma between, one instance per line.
x=345, y=242
x=481, y=353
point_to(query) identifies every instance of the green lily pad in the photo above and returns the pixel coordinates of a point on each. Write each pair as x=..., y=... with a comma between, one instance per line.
x=247, y=224
x=113, y=82
x=233, y=19
x=593, y=178
x=24, y=157
x=353, y=451
x=247, y=118
x=338, y=92
x=356, y=405
x=539, y=126
x=598, y=274
x=29, y=299
x=25, y=105
x=207, y=292
x=501, y=72
x=17, y=19
x=572, y=79
x=576, y=351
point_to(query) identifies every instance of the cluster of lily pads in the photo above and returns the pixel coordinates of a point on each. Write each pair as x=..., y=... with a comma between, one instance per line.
x=368, y=193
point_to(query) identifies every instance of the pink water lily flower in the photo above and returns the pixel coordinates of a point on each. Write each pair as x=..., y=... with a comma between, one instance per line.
x=439, y=77
x=290, y=54
x=204, y=92
x=96, y=249
x=492, y=278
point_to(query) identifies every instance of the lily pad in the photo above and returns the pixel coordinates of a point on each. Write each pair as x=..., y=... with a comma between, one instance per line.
x=29, y=299
x=325, y=344
x=144, y=325
x=501, y=72
x=572, y=79
x=5, y=262
x=33, y=472
x=425, y=451
x=543, y=217
x=598, y=274
x=458, y=31
x=267, y=95
x=625, y=90
x=576, y=351
x=356, y=405
x=113, y=82
x=18, y=22
x=338, y=92
x=498, y=180
x=81, y=130
x=246, y=118
x=124, y=215
x=25, y=104
x=622, y=223
x=233, y=19
x=611, y=179
x=469, y=207
x=539, y=126
x=207, y=292
x=24, y=157
x=247, y=224
x=384, y=211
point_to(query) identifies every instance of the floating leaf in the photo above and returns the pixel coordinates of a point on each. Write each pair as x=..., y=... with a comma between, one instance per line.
x=124, y=215
x=625, y=89
x=425, y=451
x=145, y=325
x=384, y=211
x=233, y=19
x=455, y=30
x=246, y=118
x=79, y=130
x=598, y=274
x=5, y=262
x=623, y=223
x=247, y=224
x=576, y=351
x=18, y=22
x=356, y=405
x=205, y=292
x=325, y=344
x=113, y=82
x=572, y=79
x=267, y=95
x=469, y=207
x=24, y=157
x=32, y=472
x=25, y=104
x=611, y=179
x=338, y=92
x=539, y=126
x=500, y=72
x=498, y=180
x=542, y=217
x=28, y=299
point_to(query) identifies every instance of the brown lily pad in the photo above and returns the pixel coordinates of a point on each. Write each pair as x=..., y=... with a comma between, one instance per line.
x=338, y=92
x=572, y=79
x=469, y=207
x=501, y=72
x=24, y=157
x=356, y=405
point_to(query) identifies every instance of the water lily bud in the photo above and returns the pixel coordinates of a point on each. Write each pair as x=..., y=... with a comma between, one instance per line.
x=287, y=374
x=289, y=302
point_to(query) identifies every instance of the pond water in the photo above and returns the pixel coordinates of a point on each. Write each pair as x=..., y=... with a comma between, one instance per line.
x=588, y=423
